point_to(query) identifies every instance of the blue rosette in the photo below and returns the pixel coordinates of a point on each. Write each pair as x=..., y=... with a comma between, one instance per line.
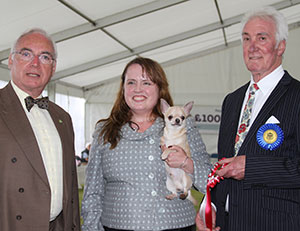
x=269, y=136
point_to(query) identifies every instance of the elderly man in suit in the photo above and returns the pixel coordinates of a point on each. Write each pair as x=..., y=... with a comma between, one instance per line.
x=260, y=137
x=38, y=181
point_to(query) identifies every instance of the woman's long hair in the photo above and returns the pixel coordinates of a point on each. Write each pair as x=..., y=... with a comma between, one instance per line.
x=121, y=114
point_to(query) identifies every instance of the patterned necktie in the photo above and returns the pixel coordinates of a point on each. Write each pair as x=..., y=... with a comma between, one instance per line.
x=42, y=102
x=245, y=121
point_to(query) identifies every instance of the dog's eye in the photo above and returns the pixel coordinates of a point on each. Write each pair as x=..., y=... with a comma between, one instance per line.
x=182, y=117
x=170, y=117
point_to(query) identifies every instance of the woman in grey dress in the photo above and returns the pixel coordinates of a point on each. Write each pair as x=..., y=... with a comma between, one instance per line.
x=126, y=178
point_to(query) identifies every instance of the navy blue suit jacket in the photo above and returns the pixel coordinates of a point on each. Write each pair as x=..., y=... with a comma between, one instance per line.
x=268, y=198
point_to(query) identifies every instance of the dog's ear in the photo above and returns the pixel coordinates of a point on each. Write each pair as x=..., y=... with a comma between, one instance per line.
x=188, y=107
x=164, y=106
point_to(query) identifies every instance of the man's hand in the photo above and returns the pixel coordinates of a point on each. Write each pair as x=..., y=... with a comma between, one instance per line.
x=200, y=223
x=235, y=168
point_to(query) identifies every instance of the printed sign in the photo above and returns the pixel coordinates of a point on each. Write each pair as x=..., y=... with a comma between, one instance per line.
x=207, y=118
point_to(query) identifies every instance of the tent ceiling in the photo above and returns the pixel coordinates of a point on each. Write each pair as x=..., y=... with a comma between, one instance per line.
x=96, y=38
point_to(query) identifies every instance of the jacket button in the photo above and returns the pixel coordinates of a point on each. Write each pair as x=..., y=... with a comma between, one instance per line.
x=14, y=160
x=21, y=190
x=150, y=157
x=18, y=217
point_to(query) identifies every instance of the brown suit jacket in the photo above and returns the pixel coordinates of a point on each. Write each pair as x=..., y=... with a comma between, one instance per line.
x=24, y=187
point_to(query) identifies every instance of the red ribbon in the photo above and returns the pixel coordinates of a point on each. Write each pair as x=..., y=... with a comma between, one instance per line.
x=208, y=212
x=213, y=179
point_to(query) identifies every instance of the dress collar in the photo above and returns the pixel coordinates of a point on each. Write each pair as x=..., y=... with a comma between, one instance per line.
x=155, y=129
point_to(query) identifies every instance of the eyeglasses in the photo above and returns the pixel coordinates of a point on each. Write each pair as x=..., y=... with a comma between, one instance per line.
x=28, y=56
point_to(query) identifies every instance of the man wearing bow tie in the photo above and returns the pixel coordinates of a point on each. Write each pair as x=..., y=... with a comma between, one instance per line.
x=38, y=180
x=260, y=136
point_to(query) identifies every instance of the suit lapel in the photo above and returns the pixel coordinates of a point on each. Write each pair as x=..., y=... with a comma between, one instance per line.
x=271, y=102
x=232, y=119
x=16, y=120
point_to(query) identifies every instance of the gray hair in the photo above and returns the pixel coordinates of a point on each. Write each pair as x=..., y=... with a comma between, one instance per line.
x=32, y=31
x=270, y=13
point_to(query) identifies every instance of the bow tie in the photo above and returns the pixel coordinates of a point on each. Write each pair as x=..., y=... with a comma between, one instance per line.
x=41, y=102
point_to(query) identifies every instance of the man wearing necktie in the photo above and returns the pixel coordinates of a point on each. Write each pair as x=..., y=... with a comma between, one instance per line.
x=260, y=141
x=38, y=180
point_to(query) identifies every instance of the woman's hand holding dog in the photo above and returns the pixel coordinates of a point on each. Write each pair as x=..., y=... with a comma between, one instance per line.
x=178, y=159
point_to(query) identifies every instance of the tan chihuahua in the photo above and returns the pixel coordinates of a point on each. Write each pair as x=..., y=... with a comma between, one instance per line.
x=178, y=181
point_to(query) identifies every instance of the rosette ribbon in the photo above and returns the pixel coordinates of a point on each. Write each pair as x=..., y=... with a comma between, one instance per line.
x=269, y=136
x=213, y=179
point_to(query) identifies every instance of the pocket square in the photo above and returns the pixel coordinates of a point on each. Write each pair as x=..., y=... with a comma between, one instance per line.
x=272, y=120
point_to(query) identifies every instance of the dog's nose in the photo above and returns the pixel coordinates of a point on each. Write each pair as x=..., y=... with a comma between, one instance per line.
x=177, y=120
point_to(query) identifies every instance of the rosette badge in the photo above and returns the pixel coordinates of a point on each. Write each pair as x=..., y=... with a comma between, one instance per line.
x=269, y=136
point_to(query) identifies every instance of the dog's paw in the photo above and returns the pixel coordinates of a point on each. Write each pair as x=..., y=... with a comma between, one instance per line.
x=165, y=154
x=183, y=196
x=171, y=196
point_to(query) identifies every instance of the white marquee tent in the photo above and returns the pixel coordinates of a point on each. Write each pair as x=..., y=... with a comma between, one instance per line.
x=196, y=41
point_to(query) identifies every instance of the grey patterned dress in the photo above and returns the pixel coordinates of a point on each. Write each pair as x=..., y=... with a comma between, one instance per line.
x=126, y=187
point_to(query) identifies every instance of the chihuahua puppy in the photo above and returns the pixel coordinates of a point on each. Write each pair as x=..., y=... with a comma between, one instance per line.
x=178, y=181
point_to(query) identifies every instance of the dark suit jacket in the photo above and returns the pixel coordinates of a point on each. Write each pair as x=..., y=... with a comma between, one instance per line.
x=268, y=198
x=24, y=187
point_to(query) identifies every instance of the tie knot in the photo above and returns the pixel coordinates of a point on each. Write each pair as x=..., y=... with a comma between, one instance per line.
x=253, y=89
x=41, y=102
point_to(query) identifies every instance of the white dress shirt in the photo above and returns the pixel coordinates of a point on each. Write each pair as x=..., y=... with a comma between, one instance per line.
x=50, y=147
x=266, y=86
